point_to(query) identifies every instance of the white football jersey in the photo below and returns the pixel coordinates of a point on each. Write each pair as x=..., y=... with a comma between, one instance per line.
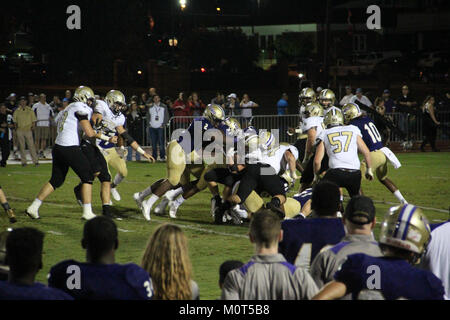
x=341, y=146
x=275, y=157
x=312, y=122
x=110, y=123
x=68, y=124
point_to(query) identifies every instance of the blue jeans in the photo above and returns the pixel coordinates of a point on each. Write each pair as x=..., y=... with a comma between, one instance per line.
x=157, y=136
x=130, y=154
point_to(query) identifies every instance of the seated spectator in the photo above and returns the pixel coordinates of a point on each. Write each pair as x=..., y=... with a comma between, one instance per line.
x=348, y=95
x=359, y=98
x=282, y=104
x=304, y=238
x=24, y=258
x=359, y=220
x=268, y=276
x=100, y=278
x=403, y=238
x=181, y=109
x=166, y=259
x=196, y=105
x=389, y=103
x=225, y=268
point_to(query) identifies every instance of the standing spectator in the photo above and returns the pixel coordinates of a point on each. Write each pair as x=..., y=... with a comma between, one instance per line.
x=56, y=104
x=225, y=268
x=389, y=103
x=359, y=220
x=25, y=121
x=406, y=106
x=5, y=125
x=219, y=99
x=30, y=101
x=181, y=109
x=158, y=116
x=44, y=115
x=135, y=129
x=347, y=97
x=101, y=278
x=282, y=104
x=11, y=103
x=24, y=255
x=430, y=124
x=166, y=259
x=196, y=105
x=65, y=103
x=169, y=103
x=232, y=105
x=68, y=95
x=151, y=94
x=143, y=99
x=359, y=98
x=268, y=276
x=35, y=100
x=246, y=107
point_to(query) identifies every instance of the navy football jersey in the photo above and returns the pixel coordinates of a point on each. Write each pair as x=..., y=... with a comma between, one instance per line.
x=101, y=281
x=398, y=279
x=203, y=124
x=38, y=291
x=304, y=238
x=369, y=131
x=304, y=197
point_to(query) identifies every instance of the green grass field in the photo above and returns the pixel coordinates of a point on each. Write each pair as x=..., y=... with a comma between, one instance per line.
x=423, y=179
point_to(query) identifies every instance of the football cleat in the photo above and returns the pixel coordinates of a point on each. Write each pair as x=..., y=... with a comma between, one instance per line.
x=235, y=216
x=161, y=207
x=11, y=216
x=138, y=200
x=32, y=212
x=173, y=208
x=115, y=194
x=219, y=215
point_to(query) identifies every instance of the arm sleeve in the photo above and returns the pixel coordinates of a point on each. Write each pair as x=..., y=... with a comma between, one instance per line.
x=230, y=289
x=81, y=116
x=308, y=287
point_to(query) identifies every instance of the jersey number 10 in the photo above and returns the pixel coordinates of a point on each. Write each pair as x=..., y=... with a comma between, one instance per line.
x=373, y=132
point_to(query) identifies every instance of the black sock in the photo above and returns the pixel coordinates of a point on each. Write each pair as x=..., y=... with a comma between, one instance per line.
x=6, y=206
x=226, y=205
x=276, y=202
x=106, y=209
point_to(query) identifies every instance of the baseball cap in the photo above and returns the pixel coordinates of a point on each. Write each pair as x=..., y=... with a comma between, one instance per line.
x=22, y=98
x=232, y=95
x=12, y=95
x=66, y=100
x=360, y=210
x=405, y=87
x=386, y=91
x=359, y=90
x=319, y=89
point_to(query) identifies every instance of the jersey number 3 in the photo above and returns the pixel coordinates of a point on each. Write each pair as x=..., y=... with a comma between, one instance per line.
x=337, y=143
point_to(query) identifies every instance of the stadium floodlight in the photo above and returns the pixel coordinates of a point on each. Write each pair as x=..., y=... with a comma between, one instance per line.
x=183, y=4
x=301, y=75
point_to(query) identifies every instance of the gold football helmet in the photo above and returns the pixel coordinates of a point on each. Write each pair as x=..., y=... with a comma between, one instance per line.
x=83, y=94
x=214, y=113
x=314, y=109
x=333, y=117
x=116, y=101
x=327, y=98
x=266, y=140
x=234, y=126
x=306, y=96
x=406, y=227
x=351, y=111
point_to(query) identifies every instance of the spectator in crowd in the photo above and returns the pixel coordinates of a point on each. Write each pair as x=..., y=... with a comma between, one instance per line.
x=359, y=220
x=406, y=106
x=157, y=117
x=56, y=104
x=196, y=105
x=232, y=105
x=348, y=95
x=65, y=103
x=282, y=104
x=268, y=276
x=322, y=227
x=151, y=93
x=318, y=89
x=35, y=100
x=11, y=104
x=169, y=103
x=381, y=125
x=389, y=103
x=100, y=277
x=166, y=259
x=5, y=124
x=181, y=109
x=359, y=98
x=430, y=124
x=225, y=268
x=25, y=121
x=135, y=129
x=24, y=257
x=143, y=99
x=219, y=99
x=247, y=106
x=30, y=101
x=44, y=115
x=4, y=268
x=68, y=95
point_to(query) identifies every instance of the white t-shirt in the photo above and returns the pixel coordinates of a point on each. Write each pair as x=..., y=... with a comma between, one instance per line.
x=156, y=116
x=110, y=123
x=363, y=99
x=43, y=113
x=346, y=99
x=313, y=122
x=437, y=257
x=274, y=158
x=68, y=124
x=247, y=112
x=341, y=146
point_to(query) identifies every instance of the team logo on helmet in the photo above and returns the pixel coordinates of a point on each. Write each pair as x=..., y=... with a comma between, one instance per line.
x=83, y=94
x=116, y=101
x=333, y=117
x=351, y=111
x=214, y=113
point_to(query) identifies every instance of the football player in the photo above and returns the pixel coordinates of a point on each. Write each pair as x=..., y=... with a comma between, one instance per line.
x=327, y=99
x=179, y=152
x=404, y=235
x=9, y=211
x=341, y=143
x=67, y=152
x=378, y=153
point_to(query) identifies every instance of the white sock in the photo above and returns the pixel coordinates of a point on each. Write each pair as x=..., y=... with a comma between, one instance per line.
x=118, y=179
x=341, y=197
x=399, y=196
x=36, y=203
x=87, y=208
x=144, y=194
x=172, y=194
x=179, y=200
x=153, y=199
